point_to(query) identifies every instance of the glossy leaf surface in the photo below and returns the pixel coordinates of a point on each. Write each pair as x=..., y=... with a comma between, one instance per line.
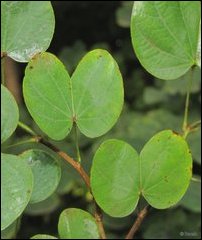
x=46, y=172
x=9, y=114
x=17, y=184
x=26, y=28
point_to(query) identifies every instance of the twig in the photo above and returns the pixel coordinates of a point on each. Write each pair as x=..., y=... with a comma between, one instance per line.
x=98, y=218
x=77, y=143
x=30, y=140
x=185, y=128
x=26, y=128
x=196, y=180
x=195, y=125
x=142, y=214
x=3, y=54
x=76, y=165
x=3, y=71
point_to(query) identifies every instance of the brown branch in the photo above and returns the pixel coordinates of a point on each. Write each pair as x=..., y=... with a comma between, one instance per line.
x=98, y=218
x=142, y=214
x=76, y=165
x=3, y=54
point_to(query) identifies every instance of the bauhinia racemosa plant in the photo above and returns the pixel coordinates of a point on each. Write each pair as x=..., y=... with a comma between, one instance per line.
x=166, y=39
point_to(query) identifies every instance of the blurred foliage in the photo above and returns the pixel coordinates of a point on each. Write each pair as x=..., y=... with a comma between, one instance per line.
x=44, y=207
x=123, y=14
x=192, y=199
x=151, y=105
x=172, y=224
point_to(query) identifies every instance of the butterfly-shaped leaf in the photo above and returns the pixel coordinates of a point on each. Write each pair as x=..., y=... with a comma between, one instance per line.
x=92, y=98
x=161, y=173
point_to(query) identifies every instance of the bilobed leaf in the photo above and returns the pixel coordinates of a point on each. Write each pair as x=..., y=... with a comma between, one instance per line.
x=165, y=36
x=115, y=178
x=43, y=236
x=26, y=28
x=46, y=172
x=9, y=114
x=161, y=173
x=92, y=98
x=77, y=224
x=17, y=184
x=165, y=169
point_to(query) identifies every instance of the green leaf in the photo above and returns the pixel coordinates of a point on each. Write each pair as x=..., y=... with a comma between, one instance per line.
x=43, y=236
x=46, y=171
x=77, y=224
x=165, y=36
x=47, y=94
x=93, y=98
x=115, y=178
x=199, y=48
x=97, y=93
x=166, y=169
x=9, y=114
x=17, y=184
x=162, y=176
x=26, y=28
x=192, y=199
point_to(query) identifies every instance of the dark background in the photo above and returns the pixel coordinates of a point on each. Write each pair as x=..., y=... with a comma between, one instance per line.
x=151, y=105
